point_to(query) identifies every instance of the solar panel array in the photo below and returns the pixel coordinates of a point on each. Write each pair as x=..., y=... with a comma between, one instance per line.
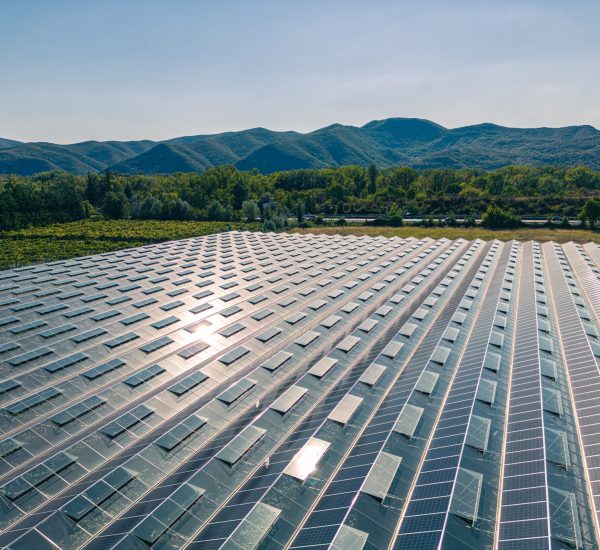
x=261, y=390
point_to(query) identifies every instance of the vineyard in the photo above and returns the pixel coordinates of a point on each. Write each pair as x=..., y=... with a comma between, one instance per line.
x=68, y=240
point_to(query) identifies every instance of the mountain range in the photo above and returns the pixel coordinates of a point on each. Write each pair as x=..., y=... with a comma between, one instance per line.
x=389, y=142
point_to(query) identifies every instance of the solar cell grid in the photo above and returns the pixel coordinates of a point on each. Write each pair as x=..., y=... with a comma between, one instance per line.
x=455, y=416
x=530, y=518
x=578, y=356
x=273, y=457
x=383, y=422
x=117, y=361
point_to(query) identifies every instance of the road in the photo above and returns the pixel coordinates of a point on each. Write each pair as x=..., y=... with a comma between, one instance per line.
x=414, y=221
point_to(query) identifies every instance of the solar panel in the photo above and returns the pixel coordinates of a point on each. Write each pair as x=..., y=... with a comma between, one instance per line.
x=246, y=390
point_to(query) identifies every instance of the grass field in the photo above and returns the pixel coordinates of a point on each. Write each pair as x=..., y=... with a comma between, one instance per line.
x=525, y=234
x=68, y=240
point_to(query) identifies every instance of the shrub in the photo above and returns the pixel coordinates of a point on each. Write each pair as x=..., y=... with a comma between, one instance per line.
x=496, y=218
x=469, y=221
x=269, y=225
x=395, y=220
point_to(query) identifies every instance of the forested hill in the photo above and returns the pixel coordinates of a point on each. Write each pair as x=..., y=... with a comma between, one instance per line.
x=5, y=143
x=390, y=142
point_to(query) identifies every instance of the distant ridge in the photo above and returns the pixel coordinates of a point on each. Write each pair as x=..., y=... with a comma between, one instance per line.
x=5, y=143
x=393, y=141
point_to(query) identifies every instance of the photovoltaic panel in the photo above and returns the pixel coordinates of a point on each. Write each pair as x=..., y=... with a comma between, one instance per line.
x=265, y=390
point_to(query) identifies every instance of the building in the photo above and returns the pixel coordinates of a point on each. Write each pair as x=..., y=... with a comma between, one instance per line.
x=263, y=390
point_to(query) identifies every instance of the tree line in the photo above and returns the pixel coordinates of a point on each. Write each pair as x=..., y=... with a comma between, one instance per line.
x=226, y=194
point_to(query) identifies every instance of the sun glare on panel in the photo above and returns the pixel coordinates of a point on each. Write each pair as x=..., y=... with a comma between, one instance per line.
x=306, y=459
x=201, y=331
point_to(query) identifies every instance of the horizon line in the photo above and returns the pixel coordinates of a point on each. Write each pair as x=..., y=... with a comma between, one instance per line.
x=301, y=132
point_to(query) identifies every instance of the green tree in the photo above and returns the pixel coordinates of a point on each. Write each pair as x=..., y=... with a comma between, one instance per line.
x=372, y=173
x=88, y=209
x=240, y=193
x=250, y=210
x=581, y=176
x=54, y=196
x=590, y=212
x=300, y=211
x=310, y=205
x=215, y=211
x=108, y=179
x=115, y=205
x=149, y=209
x=95, y=190
x=180, y=210
x=496, y=183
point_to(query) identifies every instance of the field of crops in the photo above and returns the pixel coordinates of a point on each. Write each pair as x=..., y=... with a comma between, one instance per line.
x=68, y=240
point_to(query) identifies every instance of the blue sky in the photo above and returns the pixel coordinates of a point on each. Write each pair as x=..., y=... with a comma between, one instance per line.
x=72, y=70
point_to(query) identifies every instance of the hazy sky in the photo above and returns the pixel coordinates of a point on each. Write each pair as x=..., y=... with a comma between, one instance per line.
x=130, y=69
